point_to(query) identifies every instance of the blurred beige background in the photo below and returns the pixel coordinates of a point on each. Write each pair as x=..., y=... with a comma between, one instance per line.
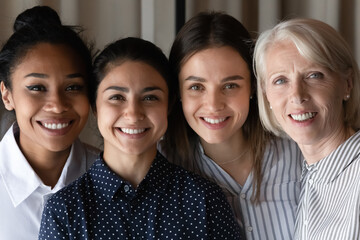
x=107, y=20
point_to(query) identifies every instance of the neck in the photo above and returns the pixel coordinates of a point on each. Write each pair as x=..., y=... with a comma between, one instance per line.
x=47, y=165
x=131, y=167
x=232, y=155
x=313, y=153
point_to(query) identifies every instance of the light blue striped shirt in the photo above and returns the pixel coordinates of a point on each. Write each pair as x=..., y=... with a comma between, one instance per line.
x=329, y=205
x=274, y=216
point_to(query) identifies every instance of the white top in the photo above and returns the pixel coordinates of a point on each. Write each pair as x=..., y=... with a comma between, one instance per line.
x=23, y=194
x=274, y=216
x=329, y=205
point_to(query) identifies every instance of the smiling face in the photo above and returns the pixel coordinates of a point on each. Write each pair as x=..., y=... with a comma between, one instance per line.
x=306, y=98
x=131, y=105
x=49, y=98
x=215, y=92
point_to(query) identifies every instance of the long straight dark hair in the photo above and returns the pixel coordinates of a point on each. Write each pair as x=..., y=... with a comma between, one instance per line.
x=203, y=31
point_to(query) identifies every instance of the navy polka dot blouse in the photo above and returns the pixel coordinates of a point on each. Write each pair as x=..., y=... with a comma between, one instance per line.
x=170, y=203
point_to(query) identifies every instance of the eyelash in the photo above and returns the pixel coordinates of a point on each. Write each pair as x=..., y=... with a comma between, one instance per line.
x=121, y=98
x=225, y=87
x=231, y=86
x=77, y=88
x=276, y=81
x=196, y=87
x=36, y=88
x=151, y=98
x=117, y=98
x=320, y=75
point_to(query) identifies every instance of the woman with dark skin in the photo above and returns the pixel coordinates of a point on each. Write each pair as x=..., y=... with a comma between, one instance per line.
x=45, y=74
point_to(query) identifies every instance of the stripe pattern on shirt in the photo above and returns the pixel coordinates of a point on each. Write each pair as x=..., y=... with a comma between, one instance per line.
x=329, y=205
x=274, y=216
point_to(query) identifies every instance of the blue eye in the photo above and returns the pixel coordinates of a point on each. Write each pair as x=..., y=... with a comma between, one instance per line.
x=316, y=75
x=36, y=88
x=279, y=81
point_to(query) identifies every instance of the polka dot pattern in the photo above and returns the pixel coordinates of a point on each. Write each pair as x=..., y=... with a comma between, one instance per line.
x=170, y=203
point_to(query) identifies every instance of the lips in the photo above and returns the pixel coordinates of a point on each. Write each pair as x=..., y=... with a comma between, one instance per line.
x=303, y=117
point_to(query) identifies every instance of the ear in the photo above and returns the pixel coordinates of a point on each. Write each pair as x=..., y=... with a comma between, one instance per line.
x=6, y=97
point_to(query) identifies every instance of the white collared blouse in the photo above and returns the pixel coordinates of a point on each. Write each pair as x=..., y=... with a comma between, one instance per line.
x=23, y=194
x=329, y=205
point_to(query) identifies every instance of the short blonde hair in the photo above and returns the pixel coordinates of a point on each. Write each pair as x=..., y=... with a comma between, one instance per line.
x=319, y=43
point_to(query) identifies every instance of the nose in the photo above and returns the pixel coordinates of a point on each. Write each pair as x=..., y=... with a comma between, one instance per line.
x=215, y=100
x=57, y=103
x=134, y=112
x=299, y=92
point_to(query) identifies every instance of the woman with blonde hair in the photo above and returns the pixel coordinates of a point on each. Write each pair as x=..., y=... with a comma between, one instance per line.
x=309, y=90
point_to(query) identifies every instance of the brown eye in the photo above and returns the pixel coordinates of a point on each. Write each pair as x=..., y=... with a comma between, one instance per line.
x=36, y=88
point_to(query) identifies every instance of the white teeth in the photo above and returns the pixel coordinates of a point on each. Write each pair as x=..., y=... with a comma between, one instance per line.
x=56, y=125
x=214, y=121
x=303, y=117
x=133, y=131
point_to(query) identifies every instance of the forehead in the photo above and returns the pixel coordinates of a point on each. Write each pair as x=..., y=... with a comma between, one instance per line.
x=135, y=75
x=214, y=59
x=47, y=54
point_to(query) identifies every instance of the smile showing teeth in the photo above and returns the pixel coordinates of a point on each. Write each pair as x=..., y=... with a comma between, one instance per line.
x=303, y=117
x=214, y=121
x=133, y=131
x=55, y=126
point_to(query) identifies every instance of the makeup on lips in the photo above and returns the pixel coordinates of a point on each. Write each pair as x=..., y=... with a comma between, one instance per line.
x=58, y=127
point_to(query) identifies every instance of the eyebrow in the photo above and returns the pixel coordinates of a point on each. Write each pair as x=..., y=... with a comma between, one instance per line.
x=227, y=79
x=42, y=75
x=126, y=90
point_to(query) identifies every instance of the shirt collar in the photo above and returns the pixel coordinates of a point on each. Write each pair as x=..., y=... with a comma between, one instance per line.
x=330, y=167
x=223, y=182
x=19, y=177
x=159, y=172
x=108, y=183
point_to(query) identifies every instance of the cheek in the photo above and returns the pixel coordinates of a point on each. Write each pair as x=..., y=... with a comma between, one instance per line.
x=159, y=119
x=105, y=116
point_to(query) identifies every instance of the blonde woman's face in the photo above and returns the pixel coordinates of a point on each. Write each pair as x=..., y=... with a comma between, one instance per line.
x=306, y=98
